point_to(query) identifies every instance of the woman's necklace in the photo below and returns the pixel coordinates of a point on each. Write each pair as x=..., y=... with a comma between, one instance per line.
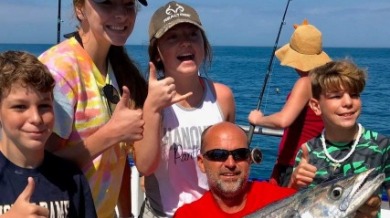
x=337, y=163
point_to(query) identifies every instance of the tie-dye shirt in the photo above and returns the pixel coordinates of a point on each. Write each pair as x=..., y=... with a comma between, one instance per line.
x=80, y=109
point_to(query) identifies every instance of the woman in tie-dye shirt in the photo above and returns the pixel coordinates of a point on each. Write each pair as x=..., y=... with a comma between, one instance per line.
x=98, y=98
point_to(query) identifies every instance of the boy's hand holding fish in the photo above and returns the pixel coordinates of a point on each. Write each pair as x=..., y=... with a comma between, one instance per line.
x=304, y=174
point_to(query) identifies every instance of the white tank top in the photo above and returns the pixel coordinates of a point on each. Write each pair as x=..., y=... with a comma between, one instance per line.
x=178, y=180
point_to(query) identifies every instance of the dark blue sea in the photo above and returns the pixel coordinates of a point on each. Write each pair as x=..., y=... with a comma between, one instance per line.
x=244, y=70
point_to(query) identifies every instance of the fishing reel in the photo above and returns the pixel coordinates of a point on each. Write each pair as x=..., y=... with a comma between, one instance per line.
x=256, y=155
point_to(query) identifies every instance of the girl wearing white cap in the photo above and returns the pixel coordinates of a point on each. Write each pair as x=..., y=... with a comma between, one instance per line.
x=178, y=49
x=303, y=53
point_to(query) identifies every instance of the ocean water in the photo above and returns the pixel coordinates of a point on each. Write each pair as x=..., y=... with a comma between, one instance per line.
x=244, y=69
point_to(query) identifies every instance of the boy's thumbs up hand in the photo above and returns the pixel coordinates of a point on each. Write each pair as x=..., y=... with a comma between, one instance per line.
x=304, y=173
x=22, y=206
x=305, y=154
x=28, y=190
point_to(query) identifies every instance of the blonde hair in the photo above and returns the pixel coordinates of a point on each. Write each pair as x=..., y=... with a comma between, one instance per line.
x=337, y=75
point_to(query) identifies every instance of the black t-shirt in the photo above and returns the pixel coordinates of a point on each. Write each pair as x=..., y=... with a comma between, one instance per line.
x=60, y=186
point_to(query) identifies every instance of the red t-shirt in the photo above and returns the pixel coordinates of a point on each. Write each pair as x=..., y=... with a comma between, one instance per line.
x=260, y=195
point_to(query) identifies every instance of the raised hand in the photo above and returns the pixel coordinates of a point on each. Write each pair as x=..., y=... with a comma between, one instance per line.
x=304, y=173
x=126, y=124
x=254, y=116
x=22, y=206
x=162, y=93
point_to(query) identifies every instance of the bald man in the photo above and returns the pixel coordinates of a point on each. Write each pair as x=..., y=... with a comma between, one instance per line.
x=225, y=158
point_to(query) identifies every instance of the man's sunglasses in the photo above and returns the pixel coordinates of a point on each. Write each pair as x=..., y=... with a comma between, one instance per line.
x=238, y=154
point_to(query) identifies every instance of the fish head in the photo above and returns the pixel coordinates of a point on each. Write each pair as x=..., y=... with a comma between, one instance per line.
x=340, y=197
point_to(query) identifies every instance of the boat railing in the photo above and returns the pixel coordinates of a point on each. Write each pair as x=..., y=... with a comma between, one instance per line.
x=264, y=131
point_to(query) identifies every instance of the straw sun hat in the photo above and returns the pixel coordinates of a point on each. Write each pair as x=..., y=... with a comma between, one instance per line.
x=304, y=52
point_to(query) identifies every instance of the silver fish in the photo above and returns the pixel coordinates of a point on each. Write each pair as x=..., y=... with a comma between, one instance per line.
x=336, y=198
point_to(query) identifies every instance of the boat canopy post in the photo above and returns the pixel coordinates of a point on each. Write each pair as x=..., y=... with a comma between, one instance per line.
x=59, y=21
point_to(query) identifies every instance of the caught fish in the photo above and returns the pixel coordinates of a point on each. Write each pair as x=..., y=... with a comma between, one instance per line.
x=336, y=198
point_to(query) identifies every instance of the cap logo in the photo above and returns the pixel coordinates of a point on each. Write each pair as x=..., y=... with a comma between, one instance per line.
x=175, y=12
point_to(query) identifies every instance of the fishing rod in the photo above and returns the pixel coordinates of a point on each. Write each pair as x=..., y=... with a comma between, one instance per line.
x=252, y=127
x=59, y=22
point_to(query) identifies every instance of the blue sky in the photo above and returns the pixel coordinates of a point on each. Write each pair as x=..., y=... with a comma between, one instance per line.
x=344, y=23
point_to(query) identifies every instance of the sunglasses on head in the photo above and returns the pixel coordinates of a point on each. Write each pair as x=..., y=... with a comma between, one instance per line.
x=238, y=154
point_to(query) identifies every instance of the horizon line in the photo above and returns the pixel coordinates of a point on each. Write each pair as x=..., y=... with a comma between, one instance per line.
x=256, y=46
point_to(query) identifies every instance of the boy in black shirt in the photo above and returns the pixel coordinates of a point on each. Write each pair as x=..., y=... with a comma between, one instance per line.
x=33, y=181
